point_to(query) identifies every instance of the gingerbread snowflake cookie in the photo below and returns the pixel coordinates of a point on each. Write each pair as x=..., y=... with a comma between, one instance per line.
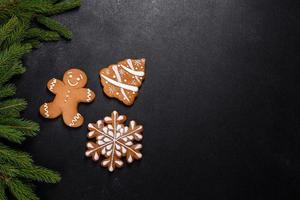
x=122, y=80
x=112, y=139
x=68, y=93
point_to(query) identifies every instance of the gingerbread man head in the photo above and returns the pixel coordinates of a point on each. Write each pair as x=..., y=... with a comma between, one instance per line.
x=75, y=78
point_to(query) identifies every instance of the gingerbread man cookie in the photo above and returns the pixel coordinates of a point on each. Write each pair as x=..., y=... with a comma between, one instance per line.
x=68, y=93
x=122, y=80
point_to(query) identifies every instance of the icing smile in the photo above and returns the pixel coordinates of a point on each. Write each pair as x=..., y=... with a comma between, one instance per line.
x=71, y=78
x=72, y=84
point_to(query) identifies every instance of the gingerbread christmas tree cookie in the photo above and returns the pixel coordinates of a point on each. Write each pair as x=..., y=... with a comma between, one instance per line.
x=68, y=94
x=122, y=80
x=114, y=140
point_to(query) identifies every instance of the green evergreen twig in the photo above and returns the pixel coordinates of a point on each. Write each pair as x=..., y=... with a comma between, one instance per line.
x=18, y=36
x=55, y=26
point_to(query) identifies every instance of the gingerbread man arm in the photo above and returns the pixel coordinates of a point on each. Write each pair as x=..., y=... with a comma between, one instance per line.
x=85, y=95
x=54, y=85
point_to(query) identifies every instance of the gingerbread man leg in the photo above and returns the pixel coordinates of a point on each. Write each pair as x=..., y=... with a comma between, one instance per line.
x=50, y=110
x=72, y=118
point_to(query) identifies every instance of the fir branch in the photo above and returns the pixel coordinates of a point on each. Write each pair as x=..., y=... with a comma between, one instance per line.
x=18, y=36
x=35, y=43
x=12, y=106
x=62, y=7
x=6, y=8
x=36, y=6
x=7, y=28
x=21, y=190
x=13, y=53
x=55, y=26
x=8, y=170
x=14, y=157
x=7, y=73
x=2, y=191
x=35, y=173
x=7, y=90
x=11, y=134
x=41, y=34
x=27, y=127
x=38, y=173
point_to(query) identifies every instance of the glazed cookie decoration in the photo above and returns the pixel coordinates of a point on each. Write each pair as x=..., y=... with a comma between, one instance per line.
x=122, y=80
x=112, y=139
x=68, y=93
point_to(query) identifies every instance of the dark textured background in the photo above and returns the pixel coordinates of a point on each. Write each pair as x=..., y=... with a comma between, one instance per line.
x=219, y=104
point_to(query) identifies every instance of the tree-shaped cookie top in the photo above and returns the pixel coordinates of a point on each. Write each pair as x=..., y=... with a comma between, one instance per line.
x=122, y=80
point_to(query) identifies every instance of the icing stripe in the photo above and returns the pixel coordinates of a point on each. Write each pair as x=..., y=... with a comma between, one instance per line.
x=89, y=95
x=52, y=84
x=75, y=119
x=46, y=110
x=121, y=85
x=115, y=68
x=136, y=73
x=131, y=66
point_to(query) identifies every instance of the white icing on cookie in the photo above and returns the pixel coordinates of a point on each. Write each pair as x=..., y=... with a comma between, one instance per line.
x=52, y=84
x=138, y=62
x=129, y=159
x=75, y=119
x=72, y=84
x=121, y=85
x=136, y=73
x=89, y=95
x=67, y=96
x=131, y=66
x=115, y=68
x=46, y=110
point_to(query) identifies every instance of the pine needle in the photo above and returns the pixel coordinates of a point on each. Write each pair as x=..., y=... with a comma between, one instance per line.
x=11, y=134
x=7, y=90
x=16, y=36
x=2, y=191
x=14, y=157
x=7, y=73
x=21, y=190
x=8, y=170
x=12, y=106
x=41, y=34
x=27, y=127
x=62, y=7
x=38, y=173
x=7, y=28
x=14, y=53
x=55, y=26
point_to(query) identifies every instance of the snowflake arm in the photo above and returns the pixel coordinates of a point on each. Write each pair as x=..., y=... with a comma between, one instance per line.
x=130, y=150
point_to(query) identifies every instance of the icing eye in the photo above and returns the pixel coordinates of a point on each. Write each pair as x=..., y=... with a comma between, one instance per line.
x=78, y=79
x=70, y=76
